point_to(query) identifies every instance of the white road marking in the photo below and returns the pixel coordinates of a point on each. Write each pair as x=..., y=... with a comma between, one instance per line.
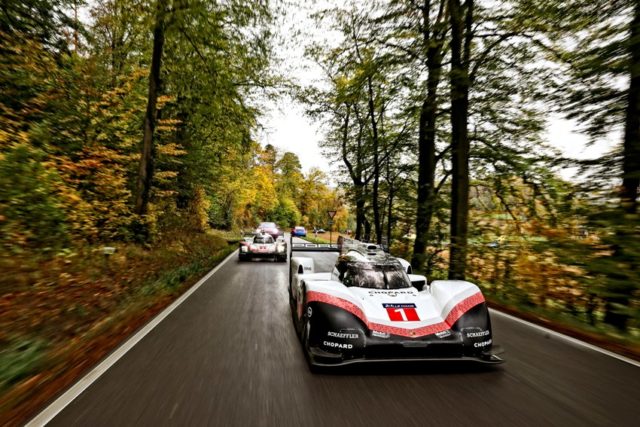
x=567, y=338
x=81, y=385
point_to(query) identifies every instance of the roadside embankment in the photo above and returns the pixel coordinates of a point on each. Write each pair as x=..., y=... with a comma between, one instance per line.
x=61, y=314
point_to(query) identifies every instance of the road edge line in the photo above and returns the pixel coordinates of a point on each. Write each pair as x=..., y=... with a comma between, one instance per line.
x=55, y=407
x=567, y=338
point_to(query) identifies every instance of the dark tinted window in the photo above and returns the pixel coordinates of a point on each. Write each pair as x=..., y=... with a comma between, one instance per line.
x=375, y=276
x=263, y=239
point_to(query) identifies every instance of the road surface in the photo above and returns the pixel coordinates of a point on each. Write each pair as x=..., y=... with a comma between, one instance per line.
x=228, y=356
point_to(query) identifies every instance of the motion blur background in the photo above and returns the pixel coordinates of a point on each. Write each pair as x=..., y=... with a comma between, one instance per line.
x=163, y=128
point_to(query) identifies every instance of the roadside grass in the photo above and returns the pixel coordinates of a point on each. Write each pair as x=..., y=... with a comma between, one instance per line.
x=20, y=359
x=60, y=315
x=554, y=316
x=324, y=237
x=317, y=240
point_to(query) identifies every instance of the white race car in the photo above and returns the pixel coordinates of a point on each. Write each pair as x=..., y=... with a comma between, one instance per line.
x=370, y=308
x=263, y=246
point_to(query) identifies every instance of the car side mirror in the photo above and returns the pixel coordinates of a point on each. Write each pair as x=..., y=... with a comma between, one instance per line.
x=417, y=281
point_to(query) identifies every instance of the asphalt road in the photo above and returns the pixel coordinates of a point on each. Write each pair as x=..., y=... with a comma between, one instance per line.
x=228, y=356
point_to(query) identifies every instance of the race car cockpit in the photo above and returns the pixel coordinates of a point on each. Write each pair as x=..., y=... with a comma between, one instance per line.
x=363, y=274
x=264, y=239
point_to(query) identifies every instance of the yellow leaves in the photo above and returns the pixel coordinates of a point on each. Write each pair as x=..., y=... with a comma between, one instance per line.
x=165, y=128
x=165, y=175
x=171, y=149
x=199, y=208
x=73, y=198
x=164, y=100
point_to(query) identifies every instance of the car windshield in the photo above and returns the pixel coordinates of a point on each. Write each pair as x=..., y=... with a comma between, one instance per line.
x=263, y=239
x=267, y=225
x=375, y=276
x=299, y=228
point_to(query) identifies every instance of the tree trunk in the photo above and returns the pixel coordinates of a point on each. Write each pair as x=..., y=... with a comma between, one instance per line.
x=631, y=149
x=459, y=139
x=427, y=140
x=360, y=219
x=426, y=181
x=375, y=203
x=390, y=216
x=621, y=287
x=184, y=178
x=145, y=171
x=367, y=230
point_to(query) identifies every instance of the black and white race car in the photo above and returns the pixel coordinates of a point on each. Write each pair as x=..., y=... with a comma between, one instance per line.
x=369, y=308
x=263, y=246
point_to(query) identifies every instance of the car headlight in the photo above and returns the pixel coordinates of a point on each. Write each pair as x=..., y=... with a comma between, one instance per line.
x=243, y=248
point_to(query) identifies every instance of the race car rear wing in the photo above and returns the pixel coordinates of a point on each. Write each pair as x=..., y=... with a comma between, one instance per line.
x=341, y=246
x=314, y=247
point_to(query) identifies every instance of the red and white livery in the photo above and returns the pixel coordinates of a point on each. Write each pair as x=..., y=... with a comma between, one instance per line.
x=371, y=308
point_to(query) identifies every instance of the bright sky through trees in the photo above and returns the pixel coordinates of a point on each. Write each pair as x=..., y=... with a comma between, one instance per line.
x=288, y=128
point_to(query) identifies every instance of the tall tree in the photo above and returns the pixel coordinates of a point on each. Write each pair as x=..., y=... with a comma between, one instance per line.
x=433, y=37
x=145, y=170
x=631, y=146
x=461, y=36
x=601, y=89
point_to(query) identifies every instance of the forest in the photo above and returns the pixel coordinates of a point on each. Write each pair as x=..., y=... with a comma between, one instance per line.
x=437, y=113
x=134, y=125
x=129, y=126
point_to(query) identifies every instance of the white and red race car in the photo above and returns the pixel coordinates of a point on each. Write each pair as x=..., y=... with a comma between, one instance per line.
x=263, y=246
x=369, y=308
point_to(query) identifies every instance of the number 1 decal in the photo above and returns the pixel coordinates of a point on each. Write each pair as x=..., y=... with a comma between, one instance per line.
x=402, y=312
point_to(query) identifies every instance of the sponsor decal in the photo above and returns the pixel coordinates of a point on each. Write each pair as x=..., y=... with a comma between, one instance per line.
x=337, y=345
x=345, y=335
x=390, y=293
x=380, y=334
x=443, y=334
x=402, y=312
x=482, y=344
x=306, y=267
x=309, y=311
x=477, y=334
